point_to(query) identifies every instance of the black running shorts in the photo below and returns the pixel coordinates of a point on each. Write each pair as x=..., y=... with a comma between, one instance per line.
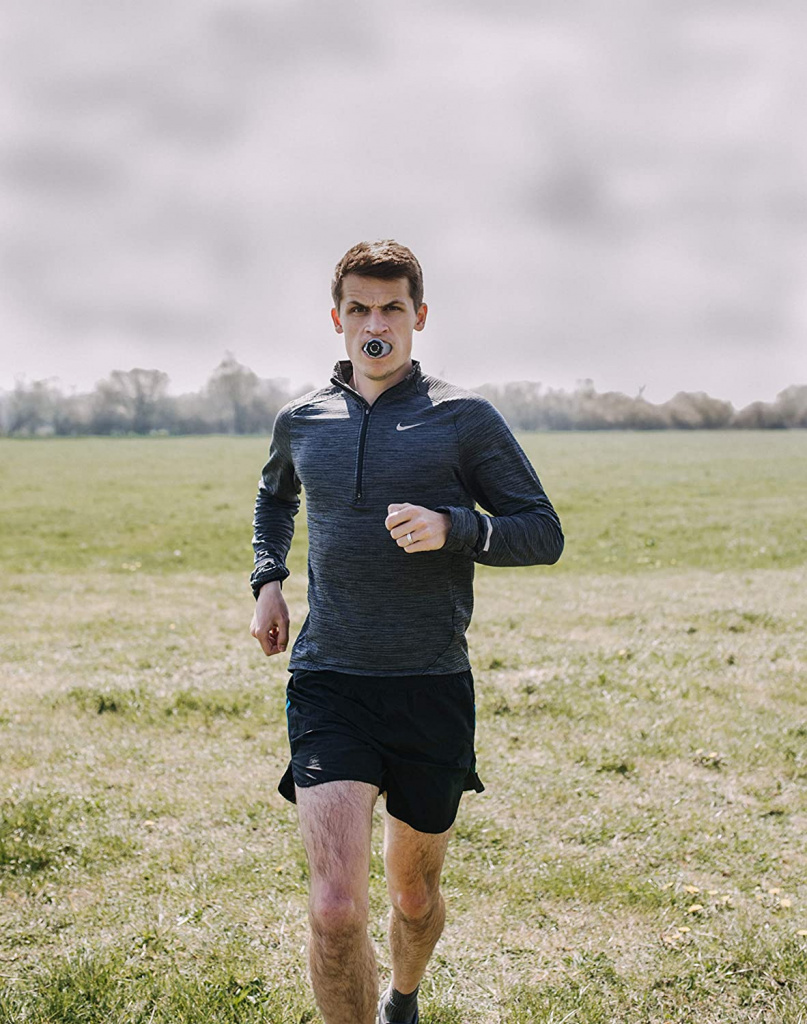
x=411, y=736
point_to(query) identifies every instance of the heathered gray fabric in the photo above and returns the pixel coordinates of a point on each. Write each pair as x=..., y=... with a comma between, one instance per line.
x=373, y=609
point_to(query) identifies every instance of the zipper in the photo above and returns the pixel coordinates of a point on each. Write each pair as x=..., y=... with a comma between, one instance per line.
x=365, y=421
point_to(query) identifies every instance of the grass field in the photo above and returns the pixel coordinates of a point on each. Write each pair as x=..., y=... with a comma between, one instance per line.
x=639, y=854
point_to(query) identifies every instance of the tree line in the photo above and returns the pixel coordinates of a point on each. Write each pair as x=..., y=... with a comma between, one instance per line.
x=236, y=401
x=528, y=406
x=233, y=401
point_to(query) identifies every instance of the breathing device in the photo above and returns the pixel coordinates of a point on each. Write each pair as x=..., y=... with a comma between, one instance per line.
x=375, y=348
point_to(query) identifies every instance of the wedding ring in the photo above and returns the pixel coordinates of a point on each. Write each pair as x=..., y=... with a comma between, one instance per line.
x=409, y=538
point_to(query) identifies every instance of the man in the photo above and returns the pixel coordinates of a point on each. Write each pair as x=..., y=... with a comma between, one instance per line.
x=381, y=696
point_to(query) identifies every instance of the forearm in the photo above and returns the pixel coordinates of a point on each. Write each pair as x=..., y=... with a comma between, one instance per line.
x=273, y=529
x=275, y=508
x=523, y=527
x=531, y=537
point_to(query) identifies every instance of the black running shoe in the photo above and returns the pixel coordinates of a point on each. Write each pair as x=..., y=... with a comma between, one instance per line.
x=382, y=1017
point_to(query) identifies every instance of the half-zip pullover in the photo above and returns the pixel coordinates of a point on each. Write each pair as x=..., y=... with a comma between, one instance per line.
x=373, y=608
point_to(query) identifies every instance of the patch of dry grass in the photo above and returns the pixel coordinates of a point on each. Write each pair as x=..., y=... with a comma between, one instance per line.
x=638, y=855
x=645, y=752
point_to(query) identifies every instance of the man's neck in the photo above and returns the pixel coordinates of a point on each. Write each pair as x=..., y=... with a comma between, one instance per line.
x=370, y=389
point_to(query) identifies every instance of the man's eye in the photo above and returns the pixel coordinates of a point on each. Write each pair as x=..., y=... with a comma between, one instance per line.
x=394, y=308
x=358, y=309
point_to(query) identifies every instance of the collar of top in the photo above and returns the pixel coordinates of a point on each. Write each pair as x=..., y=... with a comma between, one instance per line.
x=343, y=378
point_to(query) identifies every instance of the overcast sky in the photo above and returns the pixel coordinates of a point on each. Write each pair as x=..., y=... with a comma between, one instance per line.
x=605, y=191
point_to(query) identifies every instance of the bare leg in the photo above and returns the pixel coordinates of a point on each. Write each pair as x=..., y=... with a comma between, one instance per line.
x=413, y=862
x=336, y=823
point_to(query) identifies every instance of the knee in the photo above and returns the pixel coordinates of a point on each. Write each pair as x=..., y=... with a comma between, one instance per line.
x=336, y=914
x=416, y=902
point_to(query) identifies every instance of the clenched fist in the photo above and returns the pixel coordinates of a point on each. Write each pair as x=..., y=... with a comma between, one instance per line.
x=270, y=623
x=415, y=528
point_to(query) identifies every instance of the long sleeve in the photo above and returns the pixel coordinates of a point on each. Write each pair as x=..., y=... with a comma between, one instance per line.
x=276, y=505
x=523, y=527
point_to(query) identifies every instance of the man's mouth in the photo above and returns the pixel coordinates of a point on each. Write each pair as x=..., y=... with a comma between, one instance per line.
x=375, y=348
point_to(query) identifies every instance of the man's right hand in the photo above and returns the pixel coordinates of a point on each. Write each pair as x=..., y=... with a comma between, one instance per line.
x=270, y=623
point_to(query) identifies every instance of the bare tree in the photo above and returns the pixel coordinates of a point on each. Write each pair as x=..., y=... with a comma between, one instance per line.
x=129, y=400
x=233, y=388
x=30, y=407
x=698, y=411
x=793, y=403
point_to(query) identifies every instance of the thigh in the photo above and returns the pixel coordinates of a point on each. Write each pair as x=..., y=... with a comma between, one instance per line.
x=412, y=860
x=332, y=730
x=336, y=825
x=429, y=757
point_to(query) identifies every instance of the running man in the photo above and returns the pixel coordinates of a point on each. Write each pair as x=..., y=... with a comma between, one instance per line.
x=381, y=698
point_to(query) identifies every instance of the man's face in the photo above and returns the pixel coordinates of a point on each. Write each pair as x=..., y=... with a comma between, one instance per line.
x=374, y=308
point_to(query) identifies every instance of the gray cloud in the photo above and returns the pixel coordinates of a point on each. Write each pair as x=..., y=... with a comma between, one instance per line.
x=594, y=191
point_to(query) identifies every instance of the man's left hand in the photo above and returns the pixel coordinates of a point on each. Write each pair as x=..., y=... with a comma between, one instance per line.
x=415, y=528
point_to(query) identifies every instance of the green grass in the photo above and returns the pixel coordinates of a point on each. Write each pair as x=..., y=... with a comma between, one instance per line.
x=630, y=502
x=638, y=856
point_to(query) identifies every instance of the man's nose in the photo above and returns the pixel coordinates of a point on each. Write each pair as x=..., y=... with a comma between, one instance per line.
x=376, y=322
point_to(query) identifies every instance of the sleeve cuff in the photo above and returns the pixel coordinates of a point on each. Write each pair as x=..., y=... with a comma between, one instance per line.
x=463, y=537
x=266, y=572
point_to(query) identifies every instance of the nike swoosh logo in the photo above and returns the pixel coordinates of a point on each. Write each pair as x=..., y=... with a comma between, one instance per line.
x=409, y=426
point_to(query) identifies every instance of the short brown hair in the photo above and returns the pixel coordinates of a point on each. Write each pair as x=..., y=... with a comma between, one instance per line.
x=386, y=259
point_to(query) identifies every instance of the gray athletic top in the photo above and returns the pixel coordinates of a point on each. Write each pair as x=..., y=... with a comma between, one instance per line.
x=373, y=609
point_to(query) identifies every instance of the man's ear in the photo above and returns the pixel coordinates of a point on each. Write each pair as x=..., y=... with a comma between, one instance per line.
x=337, y=323
x=420, y=322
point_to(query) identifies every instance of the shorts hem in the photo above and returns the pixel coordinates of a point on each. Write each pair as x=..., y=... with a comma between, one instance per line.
x=288, y=784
